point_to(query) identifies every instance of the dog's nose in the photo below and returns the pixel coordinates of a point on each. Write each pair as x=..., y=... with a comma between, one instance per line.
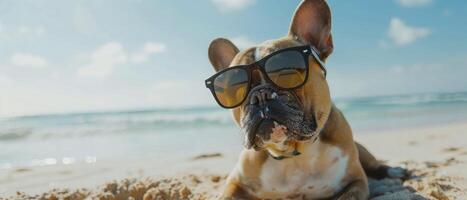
x=261, y=95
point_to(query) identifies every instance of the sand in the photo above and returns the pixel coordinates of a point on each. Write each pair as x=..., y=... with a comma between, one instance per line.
x=436, y=156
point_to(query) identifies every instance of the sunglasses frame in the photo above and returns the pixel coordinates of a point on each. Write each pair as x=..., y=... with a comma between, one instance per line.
x=305, y=51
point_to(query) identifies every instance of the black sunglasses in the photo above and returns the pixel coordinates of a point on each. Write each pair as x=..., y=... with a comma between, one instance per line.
x=286, y=69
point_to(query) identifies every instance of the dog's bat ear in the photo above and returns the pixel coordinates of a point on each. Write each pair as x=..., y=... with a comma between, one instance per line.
x=221, y=53
x=311, y=24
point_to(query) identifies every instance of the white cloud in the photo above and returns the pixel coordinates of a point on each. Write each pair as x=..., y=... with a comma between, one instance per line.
x=232, y=5
x=28, y=60
x=413, y=3
x=103, y=60
x=149, y=49
x=402, y=34
x=106, y=57
x=243, y=42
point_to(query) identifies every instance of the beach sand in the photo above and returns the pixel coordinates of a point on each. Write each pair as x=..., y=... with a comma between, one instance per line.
x=436, y=155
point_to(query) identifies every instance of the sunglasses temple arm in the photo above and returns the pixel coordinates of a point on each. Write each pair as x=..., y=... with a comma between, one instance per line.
x=315, y=54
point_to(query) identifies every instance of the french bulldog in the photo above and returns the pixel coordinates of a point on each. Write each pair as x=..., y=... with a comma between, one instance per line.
x=307, y=151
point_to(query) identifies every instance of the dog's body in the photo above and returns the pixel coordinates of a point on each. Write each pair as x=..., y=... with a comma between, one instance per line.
x=325, y=168
x=328, y=163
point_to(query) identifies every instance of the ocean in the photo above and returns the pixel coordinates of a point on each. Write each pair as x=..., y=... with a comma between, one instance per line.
x=156, y=133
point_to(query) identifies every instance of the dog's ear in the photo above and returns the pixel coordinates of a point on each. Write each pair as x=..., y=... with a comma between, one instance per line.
x=311, y=24
x=221, y=53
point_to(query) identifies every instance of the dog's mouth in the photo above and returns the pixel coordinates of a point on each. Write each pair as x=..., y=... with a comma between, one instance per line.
x=284, y=111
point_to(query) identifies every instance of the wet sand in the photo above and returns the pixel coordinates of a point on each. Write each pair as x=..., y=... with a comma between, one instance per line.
x=436, y=156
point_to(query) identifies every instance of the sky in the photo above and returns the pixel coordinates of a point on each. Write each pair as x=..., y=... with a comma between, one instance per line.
x=97, y=55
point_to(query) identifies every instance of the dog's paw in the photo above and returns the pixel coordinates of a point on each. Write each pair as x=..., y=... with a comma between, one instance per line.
x=384, y=171
x=397, y=172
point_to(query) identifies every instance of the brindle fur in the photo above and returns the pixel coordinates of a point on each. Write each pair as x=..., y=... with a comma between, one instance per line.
x=310, y=25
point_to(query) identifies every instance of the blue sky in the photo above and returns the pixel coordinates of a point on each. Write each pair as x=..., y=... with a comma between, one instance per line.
x=65, y=56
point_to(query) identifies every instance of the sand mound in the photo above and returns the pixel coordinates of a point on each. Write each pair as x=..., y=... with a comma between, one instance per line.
x=187, y=187
x=193, y=187
x=424, y=184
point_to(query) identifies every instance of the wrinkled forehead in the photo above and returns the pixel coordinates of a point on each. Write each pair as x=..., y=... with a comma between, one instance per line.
x=254, y=54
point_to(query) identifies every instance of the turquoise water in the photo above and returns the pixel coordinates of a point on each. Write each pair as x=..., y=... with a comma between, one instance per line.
x=155, y=133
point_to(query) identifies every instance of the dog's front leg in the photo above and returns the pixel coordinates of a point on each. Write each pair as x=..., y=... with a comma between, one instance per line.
x=357, y=190
x=233, y=191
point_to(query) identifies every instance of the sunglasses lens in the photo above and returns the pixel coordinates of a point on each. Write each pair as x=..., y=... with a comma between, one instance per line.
x=231, y=87
x=287, y=69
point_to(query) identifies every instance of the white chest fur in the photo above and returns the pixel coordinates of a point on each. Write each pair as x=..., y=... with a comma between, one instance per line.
x=317, y=174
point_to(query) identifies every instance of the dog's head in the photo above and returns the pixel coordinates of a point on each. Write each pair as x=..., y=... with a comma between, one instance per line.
x=281, y=121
